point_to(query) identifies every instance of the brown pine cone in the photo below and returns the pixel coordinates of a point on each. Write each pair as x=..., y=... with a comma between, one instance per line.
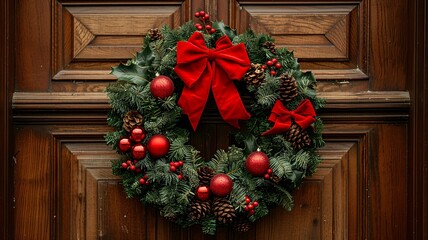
x=288, y=88
x=200, y=209
x=275, y=179
x=242, y=224
x=205, y=174
x=223, y=210
x=131, y=120
x=155, y=34
x=298, y=137
x=269, y=46
x=255, y=75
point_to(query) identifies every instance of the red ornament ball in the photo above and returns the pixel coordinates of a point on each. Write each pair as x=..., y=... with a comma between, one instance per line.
x=221, y=185
x=138, y=151
x=161, y=87
x=158, y=146
x=257, y=163
x=138, y=134
x=124, y=144
x=203, y=193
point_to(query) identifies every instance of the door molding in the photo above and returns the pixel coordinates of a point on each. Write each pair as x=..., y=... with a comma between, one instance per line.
x=418, y=140
x=6, y=87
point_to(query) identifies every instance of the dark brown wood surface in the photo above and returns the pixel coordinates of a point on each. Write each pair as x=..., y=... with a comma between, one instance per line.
x=418, y=140
x=6, y=89
x=370, y=58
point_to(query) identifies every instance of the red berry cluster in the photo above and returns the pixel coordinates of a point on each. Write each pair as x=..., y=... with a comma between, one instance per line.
x=144, y=180
x=130, y=165
x=272, y=64
x=268, y=174
x=133, y=143
x=174, y=167
x=250, y=206
x=205, y=19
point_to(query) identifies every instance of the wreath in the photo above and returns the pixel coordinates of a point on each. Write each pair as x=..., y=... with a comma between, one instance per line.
x=159, y=98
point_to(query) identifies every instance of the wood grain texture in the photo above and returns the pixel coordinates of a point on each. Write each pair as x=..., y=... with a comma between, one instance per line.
x=388, y=190
x=327, y=38
x=33, y=45
x=418, y=170
x=33, y=179
x=90, y=39
x=7, y=33
x=389, y=44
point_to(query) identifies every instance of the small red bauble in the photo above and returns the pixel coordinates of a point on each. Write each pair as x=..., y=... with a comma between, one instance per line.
x=124, y=165
x=257, y=163
x=142, y=181
x=158, y=146
x=124, y=144
x=203, y=193
x=221, y=185
x=138, y=151
x=278, y=65
x=161, y=87
x=138, y=134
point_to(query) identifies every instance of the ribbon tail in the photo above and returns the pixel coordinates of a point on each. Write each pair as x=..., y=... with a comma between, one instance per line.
x=278, y=127
x=227, y=98
x=194, y=99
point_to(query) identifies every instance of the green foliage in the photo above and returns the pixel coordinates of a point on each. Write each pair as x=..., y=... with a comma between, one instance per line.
x=173, y=196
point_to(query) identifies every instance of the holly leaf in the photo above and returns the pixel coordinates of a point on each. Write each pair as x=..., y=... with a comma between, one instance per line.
x=131, y=73
x=226, y=30
x=250, y=143
x=145, y=57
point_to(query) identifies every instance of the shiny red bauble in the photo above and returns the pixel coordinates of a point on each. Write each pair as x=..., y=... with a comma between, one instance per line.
x=124, y=144
x=203, y=193
x=158, y=146
x=257, y=163
x=138, y=134
x=221, y=185
x=161, y=87
x=138, y=151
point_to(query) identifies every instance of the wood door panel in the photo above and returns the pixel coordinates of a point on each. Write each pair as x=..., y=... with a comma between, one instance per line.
x=90, y=39
x=93, y=204
x=327, y=39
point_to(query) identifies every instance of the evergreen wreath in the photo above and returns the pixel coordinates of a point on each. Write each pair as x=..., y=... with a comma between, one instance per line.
x=275, y=149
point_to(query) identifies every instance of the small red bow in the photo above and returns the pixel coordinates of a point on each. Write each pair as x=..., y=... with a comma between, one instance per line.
x=304, y=116
x=203, y=69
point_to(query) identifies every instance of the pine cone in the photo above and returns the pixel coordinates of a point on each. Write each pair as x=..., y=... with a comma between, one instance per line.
x=155, y=34
x=131, y=120
x=200, y=209
x=298, y=137
x=275, y=179
x=288, y=88
x=255, y=75
x=269, y=46
x=223, y=210
x=242, y=224
x=205, y=174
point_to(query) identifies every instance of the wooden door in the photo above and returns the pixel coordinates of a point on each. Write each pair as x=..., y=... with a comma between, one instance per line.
x=368, y=56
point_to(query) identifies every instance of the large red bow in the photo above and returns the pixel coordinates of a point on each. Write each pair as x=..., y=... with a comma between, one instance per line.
x=203, y=69
x=304, y=116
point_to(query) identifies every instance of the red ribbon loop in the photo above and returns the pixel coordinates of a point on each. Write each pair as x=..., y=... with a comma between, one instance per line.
x=202, y=69
x=304, y=116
